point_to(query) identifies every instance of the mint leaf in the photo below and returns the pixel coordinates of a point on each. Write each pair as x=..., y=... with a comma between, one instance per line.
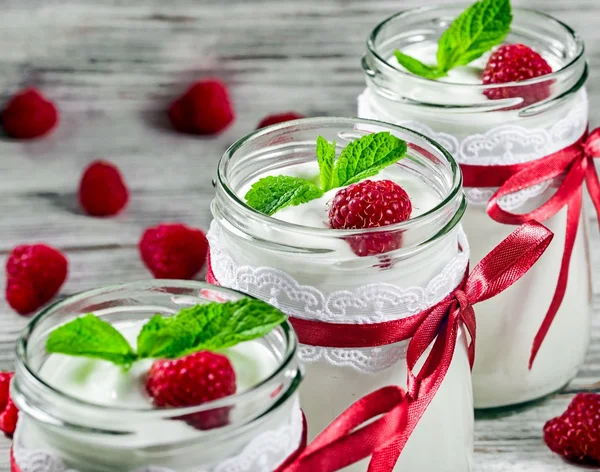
x=273, y=193
x=238, y=322
x=90, y=336
x=478, y=29
x=162, y=336
x=207, y=327
x=416, y=67
x=326, y=158
x=366, y=156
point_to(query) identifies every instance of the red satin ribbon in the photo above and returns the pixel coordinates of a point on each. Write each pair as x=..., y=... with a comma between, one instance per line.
x=576, y=163
x=439, y=326
x=341, y=444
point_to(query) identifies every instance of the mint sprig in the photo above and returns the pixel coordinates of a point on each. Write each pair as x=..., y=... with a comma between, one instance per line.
x=478, y=29
x=210, y=326
x=361, y=159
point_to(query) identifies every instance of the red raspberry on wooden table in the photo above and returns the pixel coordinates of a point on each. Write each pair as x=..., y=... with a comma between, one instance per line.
x=205, y=109
x=9, y=418
x=173, y=251
x=515, y=63
x=193, y=380
x=29, y=115
x=575, y=434
x=371, y=204
x=9, y=414
x=34, y=275
x=102, y=191
x=279, y=118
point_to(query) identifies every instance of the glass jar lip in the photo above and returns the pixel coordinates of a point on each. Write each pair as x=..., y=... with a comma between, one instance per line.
x=430, y=82
x=21, y=352
x=424, y=218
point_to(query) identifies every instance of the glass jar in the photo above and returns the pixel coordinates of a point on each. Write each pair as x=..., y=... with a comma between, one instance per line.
x=311, y=274
x=483, y=132
x=57, y=431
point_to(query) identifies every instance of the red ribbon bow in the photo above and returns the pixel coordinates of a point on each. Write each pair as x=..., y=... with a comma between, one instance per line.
x=576, y=163
x=337, y=446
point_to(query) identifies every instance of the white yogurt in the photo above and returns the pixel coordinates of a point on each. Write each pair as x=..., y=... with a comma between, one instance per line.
x=507, y=324
x=160, y=442
x=447, y=422
x=330, y=385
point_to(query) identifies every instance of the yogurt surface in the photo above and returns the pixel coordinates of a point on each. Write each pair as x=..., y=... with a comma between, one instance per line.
x=316, y=212
x=472, y=74
x=104, y=383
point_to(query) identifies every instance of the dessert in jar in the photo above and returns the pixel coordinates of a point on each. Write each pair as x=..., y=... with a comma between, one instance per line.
x=352, y=227
x=442, y=72
x=180, y=376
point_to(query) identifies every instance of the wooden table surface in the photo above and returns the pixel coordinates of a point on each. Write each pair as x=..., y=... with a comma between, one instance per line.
x=113, y=65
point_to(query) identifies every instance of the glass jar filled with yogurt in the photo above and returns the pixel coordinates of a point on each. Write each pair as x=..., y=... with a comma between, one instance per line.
x=489, y=128
x=82, y=383
x=289, y=255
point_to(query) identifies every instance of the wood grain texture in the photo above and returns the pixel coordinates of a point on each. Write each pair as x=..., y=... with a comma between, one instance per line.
x=113, y=65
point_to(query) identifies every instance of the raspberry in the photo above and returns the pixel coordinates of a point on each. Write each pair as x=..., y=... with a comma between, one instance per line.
x=9, y=418
x=193, y=380
x=279, y=118
x=173, y=251
x=204, y=109
x=34, y=275
x=575, y=434
x=29, y=115
x=102, y=191
x=5, y=378
x=8, y=410
x=370, y=204
x=515, y=63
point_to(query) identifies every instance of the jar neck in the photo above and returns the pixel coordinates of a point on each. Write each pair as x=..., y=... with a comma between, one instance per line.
x=547, y=35
x=46, y=404
x=275, y=148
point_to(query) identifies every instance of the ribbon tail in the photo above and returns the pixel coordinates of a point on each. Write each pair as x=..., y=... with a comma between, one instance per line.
x=341, y=444
x=573, y=215
x=593, y=185
x=424, y=387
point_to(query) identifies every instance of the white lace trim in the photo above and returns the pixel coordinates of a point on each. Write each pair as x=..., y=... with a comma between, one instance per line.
x=264, y=453
x=372, y=303
x=503, y=145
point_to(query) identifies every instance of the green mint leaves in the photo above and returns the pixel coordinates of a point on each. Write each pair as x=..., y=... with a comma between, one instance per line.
x=89, y=336
x=209, y=326
x=273, y=193
x=480, y=27
x=361, y=159
x=366, y=156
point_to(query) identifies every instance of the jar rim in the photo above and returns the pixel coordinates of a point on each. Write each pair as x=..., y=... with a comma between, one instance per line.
x=24, y=367
x=372, y=49
x=454, y=192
